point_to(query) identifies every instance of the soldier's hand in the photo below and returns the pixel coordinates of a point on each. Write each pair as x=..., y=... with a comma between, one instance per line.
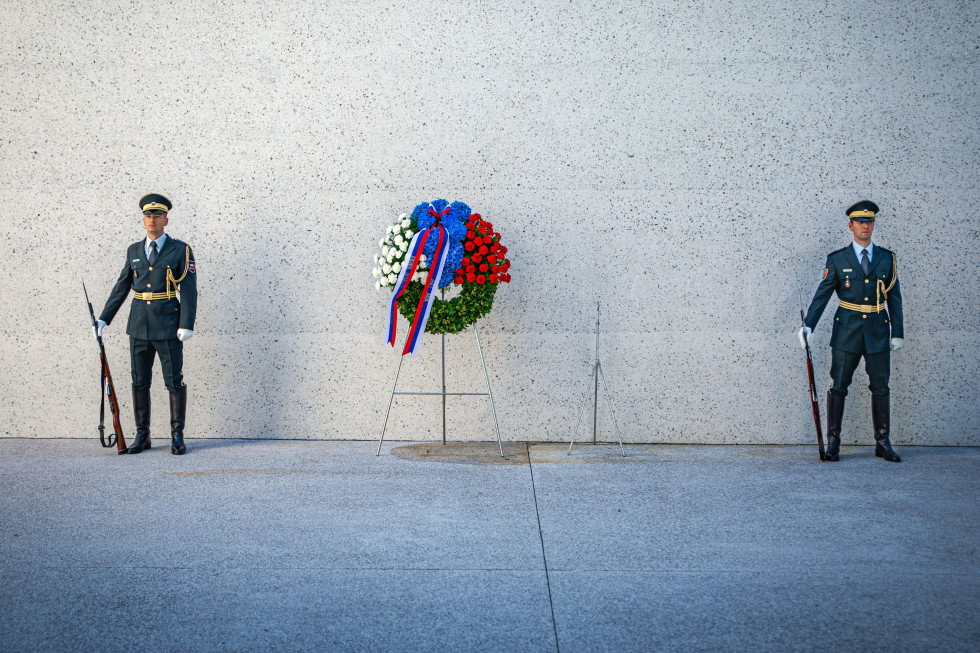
x=97, y=329
x=184, y=334
x=895, y=344
x=799, y=335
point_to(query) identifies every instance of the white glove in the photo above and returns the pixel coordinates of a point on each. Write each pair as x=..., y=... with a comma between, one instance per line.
x=799, y=335
x=97, y=329
x=895, y=344
x=184, y=334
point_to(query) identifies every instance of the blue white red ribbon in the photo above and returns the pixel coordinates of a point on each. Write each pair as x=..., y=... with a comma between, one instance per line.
x=406, y=275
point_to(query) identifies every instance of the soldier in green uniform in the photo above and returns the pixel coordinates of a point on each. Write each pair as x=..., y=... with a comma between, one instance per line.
x=865, y=278
x=158, y=269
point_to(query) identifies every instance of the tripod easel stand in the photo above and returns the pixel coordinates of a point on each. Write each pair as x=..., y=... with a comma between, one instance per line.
x=444, y=394
x=594, y=381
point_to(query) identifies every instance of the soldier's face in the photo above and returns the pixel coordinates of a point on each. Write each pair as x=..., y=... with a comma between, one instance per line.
x=861, y=230
x=154, y=222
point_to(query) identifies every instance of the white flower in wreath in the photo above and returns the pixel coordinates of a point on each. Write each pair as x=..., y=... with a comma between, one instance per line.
x=392, y=278
x=422, y=258
x=381, y=243
x=376, y=272
x=399, y=240
x=377, y=285
x=397, y=267
x=386, y=268
x=391, y=256
x=404, y=246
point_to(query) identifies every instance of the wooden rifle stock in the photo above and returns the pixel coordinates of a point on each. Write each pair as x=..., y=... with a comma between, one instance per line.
x=813, y=392
x=110, y=391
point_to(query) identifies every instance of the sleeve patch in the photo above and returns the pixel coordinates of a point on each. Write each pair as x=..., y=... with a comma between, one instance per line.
x=192, y=268
x=826, y=271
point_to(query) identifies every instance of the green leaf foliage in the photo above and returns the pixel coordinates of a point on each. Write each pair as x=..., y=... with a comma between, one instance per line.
x=453, y=315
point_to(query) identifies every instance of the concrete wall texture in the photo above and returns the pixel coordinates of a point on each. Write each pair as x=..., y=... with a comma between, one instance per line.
x=685, y=163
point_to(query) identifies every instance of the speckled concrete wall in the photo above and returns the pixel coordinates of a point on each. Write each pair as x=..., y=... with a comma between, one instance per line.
x=686, y=164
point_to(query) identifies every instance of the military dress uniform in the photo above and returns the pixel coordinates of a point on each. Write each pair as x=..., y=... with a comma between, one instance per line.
x=867, y=321
x=164, y=300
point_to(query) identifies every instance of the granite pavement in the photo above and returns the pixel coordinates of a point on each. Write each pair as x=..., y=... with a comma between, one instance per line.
x=261, y=545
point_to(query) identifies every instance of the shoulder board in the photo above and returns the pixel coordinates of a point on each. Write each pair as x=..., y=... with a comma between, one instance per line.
x=838, y=251
x=884, y=249
x=177, y=241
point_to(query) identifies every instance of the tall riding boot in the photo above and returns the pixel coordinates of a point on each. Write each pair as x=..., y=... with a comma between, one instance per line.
x=141, y=406
x=879, y=416
x=178, y=409
x=835, y=414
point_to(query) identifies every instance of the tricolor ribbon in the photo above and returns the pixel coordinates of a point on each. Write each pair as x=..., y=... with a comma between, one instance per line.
x=408, y=272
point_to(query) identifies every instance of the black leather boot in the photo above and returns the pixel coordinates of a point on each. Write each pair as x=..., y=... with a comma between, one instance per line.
x=835, y=413
x=178, y=409
x=879, y=416
x=141, y=406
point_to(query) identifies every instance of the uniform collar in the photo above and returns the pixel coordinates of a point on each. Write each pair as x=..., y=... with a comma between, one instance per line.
x=161, y=241
x=858, y=248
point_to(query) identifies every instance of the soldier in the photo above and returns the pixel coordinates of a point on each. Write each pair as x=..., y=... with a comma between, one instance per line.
x=156, y=269
x=865, y=277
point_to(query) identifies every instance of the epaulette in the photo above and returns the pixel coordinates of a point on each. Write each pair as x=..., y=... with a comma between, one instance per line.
x=838, y=251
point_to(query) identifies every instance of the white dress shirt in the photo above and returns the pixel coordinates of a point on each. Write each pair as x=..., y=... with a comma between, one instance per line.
x=858, y=249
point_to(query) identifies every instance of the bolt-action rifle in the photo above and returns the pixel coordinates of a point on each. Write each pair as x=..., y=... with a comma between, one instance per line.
x=108, y=390
x=813, y=388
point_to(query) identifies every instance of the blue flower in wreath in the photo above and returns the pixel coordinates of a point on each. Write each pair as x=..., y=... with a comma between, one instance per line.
x=455, y=224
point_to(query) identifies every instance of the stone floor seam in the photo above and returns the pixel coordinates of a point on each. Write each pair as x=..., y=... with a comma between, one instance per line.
x=544, y=555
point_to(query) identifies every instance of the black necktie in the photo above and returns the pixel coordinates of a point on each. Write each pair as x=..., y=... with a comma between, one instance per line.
x=153, y=252
x=864, y=261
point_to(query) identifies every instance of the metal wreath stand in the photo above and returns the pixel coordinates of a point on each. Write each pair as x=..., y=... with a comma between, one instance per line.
x=444, y=394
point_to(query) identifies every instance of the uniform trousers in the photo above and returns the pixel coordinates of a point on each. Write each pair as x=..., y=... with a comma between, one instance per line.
x=171, y=353
x=843, y=364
